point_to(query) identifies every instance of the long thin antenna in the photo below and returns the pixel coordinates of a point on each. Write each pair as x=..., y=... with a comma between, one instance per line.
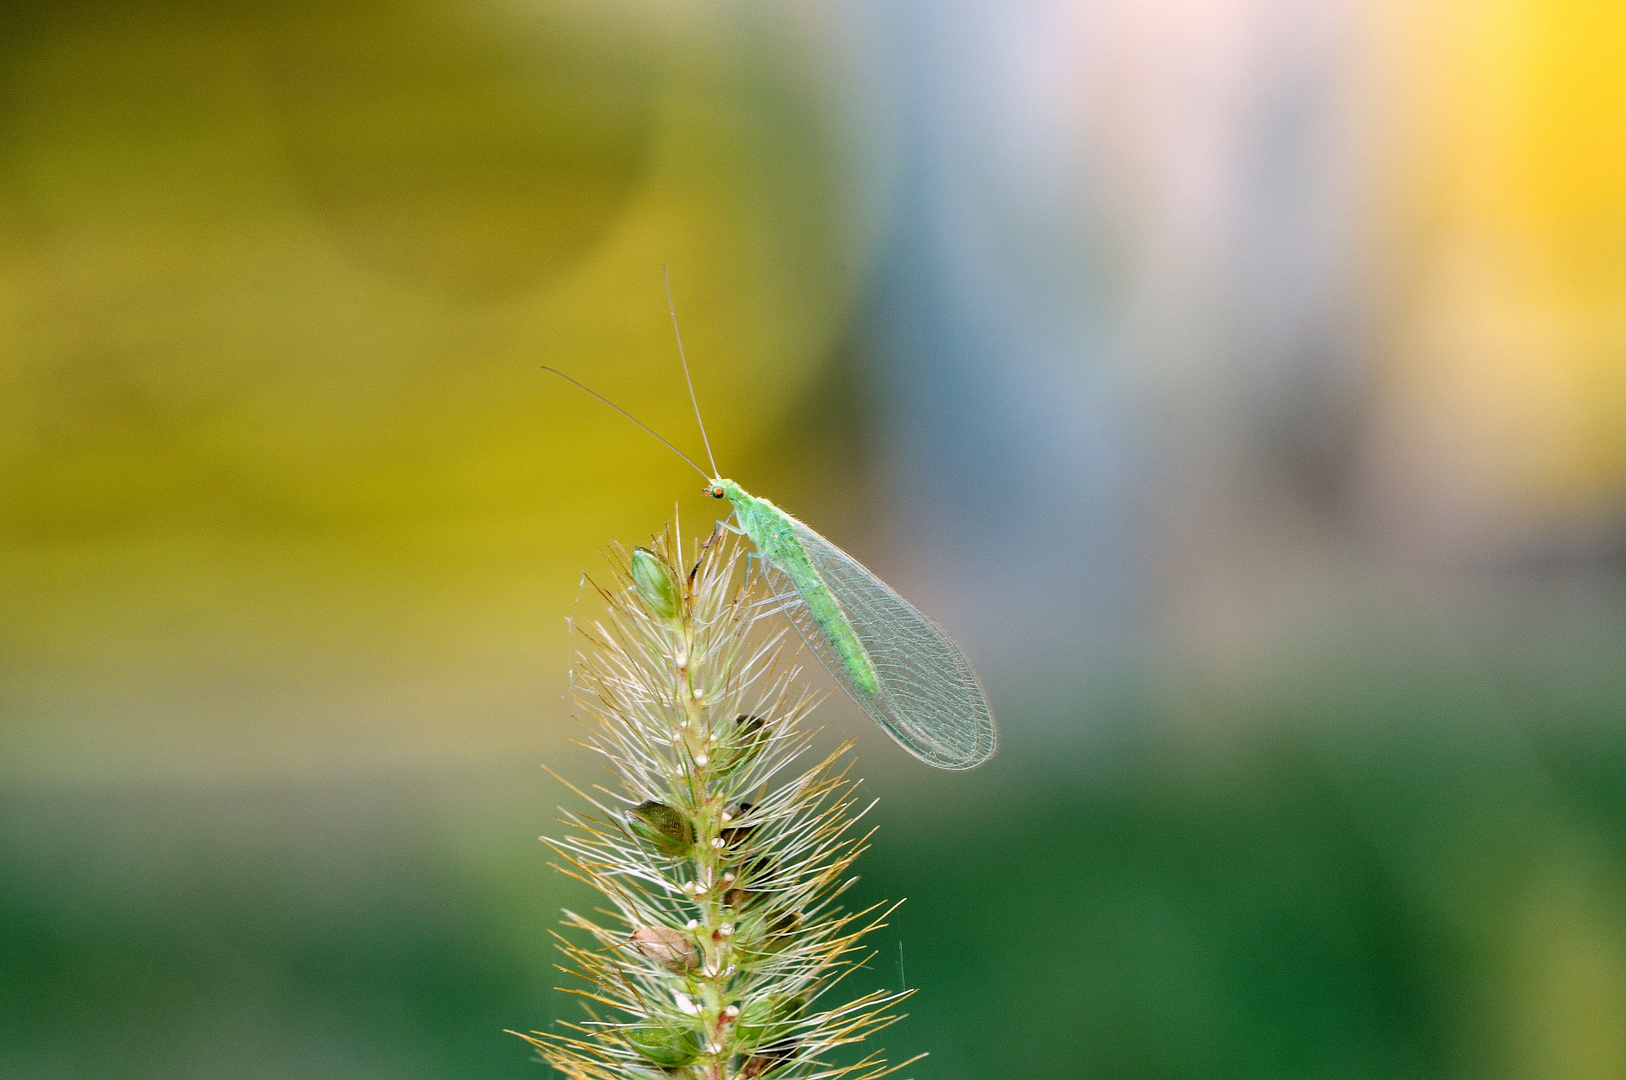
x=692, y=399
x=628, y=415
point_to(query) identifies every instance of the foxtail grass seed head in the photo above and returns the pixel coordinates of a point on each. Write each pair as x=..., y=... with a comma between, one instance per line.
x=721, y=944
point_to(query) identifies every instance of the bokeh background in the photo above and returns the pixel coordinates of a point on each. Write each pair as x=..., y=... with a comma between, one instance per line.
x=1243, y=382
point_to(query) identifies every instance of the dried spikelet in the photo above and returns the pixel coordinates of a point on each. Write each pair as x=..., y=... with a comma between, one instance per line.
x=725, y=940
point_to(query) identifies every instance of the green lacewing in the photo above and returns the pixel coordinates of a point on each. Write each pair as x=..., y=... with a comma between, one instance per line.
x=897, y=664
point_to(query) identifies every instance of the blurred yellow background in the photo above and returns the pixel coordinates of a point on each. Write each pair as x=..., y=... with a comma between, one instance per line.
x=1499, y=424
x=1243, y=382
x=282, y=481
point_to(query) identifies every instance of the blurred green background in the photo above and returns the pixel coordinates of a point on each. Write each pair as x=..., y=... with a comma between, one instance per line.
x=1243, y=382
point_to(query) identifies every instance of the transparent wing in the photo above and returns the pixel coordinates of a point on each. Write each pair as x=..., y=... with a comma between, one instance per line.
x=929, y=699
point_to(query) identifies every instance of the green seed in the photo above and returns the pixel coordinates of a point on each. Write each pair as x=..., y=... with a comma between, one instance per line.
x=656, y=584
x=662, y=827
x=667, y=1047
x=765, y=1020
x=769, y=1058
x=767, y=931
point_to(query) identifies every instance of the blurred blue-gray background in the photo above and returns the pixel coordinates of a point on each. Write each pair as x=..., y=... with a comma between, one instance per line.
x=1243, y=382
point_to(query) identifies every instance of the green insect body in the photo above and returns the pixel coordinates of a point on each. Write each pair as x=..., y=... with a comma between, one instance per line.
x=897, y=664
x=894, y=661
x=770, y=529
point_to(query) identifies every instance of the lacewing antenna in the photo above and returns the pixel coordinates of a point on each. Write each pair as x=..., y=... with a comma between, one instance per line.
x=671, y=307
x=587, y=389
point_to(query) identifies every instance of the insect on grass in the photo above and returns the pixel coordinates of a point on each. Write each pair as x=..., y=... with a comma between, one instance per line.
x=897, y=664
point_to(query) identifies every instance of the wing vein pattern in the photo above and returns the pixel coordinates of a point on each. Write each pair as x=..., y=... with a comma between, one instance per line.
x=929, y=699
